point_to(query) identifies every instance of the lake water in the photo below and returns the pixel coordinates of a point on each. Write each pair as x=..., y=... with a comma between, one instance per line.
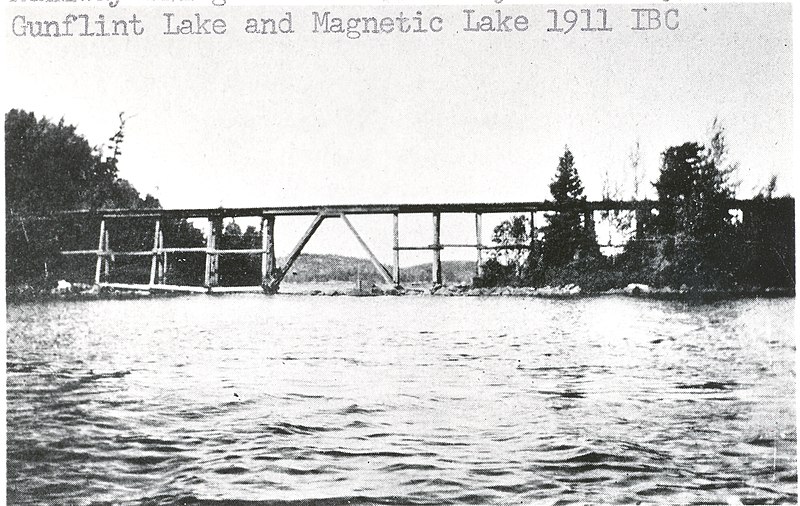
x=407, y=400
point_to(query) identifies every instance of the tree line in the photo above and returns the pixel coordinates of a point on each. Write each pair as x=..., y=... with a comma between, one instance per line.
x=692, y=240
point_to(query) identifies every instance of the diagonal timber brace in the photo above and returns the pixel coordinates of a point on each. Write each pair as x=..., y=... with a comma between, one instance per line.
x=272, y=282
x=382, y=270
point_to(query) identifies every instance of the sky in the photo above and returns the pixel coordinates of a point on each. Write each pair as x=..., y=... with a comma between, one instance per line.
x=242, y=119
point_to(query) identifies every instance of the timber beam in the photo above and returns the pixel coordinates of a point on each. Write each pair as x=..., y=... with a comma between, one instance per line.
x=336, y=210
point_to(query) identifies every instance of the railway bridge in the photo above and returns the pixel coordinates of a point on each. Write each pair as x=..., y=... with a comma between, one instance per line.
x=273, y=274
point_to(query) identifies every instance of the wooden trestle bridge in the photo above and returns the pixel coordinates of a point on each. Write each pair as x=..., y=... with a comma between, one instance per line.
x=272, y=274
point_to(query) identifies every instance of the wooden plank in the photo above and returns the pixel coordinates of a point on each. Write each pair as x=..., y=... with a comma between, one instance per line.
x=145, y=253
x=256, y=251
x=382, y=270
x=182, y=250
x=109, y=253
x=97, y=252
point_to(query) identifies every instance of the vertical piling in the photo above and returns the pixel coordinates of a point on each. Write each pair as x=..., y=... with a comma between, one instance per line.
x=396, y=242
x=154, y=261
x=437, y=251
x=212, y=258
x=106, y=259
x=268, y=245
x=478, y=243
x=533, y=238
x=100, y=252
x=162, y=267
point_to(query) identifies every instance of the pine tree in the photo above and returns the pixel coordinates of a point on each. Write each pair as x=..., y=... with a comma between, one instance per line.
x=568, y=234
x=693, y=218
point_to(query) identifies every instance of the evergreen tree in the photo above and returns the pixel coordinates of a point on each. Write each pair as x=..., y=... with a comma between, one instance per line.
x=693, y=219
x=568, y=234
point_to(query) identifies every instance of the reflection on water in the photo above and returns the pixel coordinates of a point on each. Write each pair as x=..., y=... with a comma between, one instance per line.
x=410, y=400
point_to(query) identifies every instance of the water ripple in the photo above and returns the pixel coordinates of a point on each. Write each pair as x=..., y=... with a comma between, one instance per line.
x=305, y=401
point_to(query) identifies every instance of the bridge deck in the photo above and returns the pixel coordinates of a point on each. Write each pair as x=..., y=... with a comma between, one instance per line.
x=338, y=209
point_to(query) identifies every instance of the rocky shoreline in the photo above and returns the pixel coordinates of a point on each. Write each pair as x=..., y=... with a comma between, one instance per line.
x=66, y=290
x=567, y=291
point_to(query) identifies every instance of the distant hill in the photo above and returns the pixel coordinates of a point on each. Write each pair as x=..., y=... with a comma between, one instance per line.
x=312, y=267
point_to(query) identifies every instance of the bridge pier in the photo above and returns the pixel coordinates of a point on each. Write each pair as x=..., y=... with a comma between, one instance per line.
x=436, y=267
x=212, y=258
x=155, y=261
x=107, y=258
x=268, y=245
x=396, y=242
x=102, y=259
x=479, y=244
x=161, y=275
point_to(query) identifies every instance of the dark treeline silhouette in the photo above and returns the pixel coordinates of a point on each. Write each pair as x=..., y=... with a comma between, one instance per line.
x=49, y=168
x=693, y=241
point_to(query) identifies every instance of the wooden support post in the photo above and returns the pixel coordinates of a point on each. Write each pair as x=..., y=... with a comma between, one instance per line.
x=100, y=250
x=162, y=271
x=396, y=242
x=479, y=244
x=378, y=265
x=106, y=259
x=268, y=245
x=534, y=238
x=154, y=260
x=437, y=251
x=212, y=259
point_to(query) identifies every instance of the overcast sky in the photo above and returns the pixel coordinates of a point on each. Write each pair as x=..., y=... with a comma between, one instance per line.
x=305, y=118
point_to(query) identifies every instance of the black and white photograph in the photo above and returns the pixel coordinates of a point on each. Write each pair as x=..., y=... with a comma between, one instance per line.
x=371, y=253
